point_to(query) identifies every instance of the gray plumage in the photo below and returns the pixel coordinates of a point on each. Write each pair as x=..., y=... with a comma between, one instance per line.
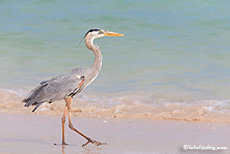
x=57, y=88
x=65, y=86
x=73, y=82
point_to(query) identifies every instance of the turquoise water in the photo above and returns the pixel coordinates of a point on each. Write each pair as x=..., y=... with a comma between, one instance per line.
x=176, y=49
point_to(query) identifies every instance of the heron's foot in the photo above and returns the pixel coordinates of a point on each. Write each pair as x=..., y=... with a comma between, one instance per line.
x=93, y=142
x=63, y=143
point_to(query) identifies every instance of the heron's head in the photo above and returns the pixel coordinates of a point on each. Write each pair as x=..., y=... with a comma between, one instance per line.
x=97, y=33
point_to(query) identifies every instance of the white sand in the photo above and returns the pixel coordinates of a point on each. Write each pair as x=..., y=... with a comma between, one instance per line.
x=27, y=134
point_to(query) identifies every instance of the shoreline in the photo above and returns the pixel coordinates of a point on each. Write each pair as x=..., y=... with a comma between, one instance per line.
x=23, y=133
x=124, y=107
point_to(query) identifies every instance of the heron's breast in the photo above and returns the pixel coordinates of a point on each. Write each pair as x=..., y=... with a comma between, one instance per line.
x=89, y=78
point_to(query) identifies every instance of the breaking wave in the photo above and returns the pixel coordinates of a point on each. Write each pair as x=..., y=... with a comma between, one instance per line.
x=124, y=105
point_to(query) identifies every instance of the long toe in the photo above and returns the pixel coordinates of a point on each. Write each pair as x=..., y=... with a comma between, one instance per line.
x=85, y=143
x=93, y=142
x=98, y=143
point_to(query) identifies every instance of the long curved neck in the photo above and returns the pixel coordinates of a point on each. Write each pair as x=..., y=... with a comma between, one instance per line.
x=97, y=52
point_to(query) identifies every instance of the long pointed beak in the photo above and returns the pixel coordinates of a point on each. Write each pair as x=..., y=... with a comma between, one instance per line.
x=108, y=33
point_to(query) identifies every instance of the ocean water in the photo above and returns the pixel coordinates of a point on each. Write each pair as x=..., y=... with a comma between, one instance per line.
x=174, y=57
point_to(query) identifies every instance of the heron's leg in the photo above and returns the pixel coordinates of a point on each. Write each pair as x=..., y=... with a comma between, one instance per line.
x=63, y=125
x=89, y=140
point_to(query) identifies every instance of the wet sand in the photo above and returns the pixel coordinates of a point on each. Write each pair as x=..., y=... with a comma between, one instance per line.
x=26, y=134
x=126, y=107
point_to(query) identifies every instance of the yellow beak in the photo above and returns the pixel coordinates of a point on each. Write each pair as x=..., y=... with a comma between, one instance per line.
x=108, y=33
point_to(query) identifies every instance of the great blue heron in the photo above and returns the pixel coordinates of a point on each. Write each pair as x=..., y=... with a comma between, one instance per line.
x=65, y=86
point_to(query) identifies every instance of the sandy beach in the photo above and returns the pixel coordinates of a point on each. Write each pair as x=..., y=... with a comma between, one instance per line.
x=163, y=88
x=26, y=134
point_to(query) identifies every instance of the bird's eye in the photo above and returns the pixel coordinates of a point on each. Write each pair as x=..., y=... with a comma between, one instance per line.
x=100, y=32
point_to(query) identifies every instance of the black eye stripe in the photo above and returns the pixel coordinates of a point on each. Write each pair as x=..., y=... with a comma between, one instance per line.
x=94, y=30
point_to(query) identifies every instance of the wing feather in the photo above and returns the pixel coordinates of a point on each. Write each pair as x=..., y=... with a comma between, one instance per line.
x=56, y=88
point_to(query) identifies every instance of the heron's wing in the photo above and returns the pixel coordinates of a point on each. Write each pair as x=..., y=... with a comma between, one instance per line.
x=63, y=85
x=44, y=82
x=56, y=88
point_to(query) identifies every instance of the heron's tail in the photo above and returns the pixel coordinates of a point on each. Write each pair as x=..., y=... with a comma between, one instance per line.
x=34, y=97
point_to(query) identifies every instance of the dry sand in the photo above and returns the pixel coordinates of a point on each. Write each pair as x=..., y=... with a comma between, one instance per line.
x=27, y=134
